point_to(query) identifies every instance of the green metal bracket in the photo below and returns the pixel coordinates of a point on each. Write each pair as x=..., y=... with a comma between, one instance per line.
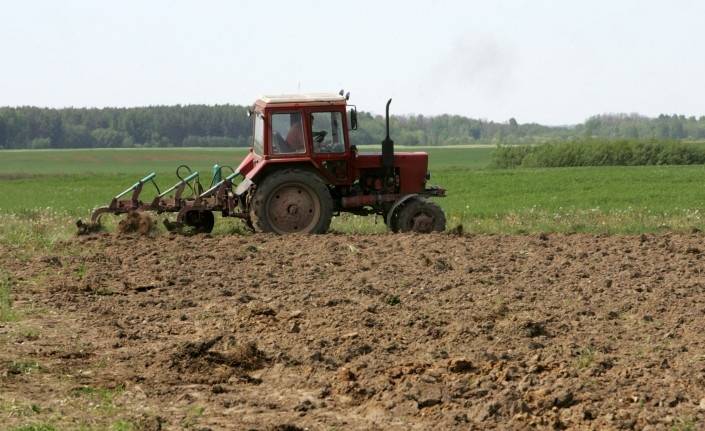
x=139, y=183
x=217, y=174
x=219, y=183
x=185, y=180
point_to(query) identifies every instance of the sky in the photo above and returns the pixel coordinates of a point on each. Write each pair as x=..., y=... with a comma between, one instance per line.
x=551, y=62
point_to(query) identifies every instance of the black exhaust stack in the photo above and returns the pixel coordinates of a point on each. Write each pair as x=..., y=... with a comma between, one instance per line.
x=388, y=152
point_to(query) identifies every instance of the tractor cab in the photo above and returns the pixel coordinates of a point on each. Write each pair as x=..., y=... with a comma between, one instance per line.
x=309, y=128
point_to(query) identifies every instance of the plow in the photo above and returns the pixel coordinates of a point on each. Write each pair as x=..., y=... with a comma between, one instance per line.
x=300, y=171
x=193, y=206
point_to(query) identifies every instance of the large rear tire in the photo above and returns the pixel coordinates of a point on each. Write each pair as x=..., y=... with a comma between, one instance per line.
x=393, y=221
x=292, y=201
x=420, y=215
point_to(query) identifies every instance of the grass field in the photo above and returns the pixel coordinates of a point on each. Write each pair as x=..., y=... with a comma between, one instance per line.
x=43, y=192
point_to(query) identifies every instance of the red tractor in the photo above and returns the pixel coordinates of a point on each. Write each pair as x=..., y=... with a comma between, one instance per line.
x=300, y=171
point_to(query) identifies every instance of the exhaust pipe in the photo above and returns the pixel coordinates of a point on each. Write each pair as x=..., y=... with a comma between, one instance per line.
x=388, y=151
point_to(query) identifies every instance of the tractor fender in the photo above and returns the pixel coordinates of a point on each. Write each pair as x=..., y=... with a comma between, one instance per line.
x=396, y=205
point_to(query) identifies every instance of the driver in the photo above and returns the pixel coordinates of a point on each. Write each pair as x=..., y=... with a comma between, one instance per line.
x=295, y=136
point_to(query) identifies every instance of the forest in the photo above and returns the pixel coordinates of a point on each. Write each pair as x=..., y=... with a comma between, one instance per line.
x=229, y=126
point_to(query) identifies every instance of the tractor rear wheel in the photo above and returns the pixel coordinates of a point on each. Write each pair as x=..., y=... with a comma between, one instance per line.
x=292, y=201
x=201, y=221
x=420, y=215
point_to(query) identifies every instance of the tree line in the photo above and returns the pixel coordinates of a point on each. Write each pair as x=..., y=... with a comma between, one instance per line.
x=157, y=126
x=229, y=126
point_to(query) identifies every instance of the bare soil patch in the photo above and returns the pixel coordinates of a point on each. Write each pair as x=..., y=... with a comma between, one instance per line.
x=359, y=332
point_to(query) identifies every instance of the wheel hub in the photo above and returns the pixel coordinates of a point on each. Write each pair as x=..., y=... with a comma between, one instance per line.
x=293, y=208
x=423, y=223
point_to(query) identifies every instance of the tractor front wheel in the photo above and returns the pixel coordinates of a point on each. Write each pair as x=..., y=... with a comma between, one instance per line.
x=292, y=201
x=420, y=215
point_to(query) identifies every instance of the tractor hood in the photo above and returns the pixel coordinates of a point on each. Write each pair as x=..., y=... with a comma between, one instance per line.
x=412, y=168
x=374, y=160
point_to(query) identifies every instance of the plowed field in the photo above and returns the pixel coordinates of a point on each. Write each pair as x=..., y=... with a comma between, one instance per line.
x=357, y=332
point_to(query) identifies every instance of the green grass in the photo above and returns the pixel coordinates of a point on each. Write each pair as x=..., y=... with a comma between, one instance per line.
x=137, y=162
x=123, y=425
x=611, y=199
x=684, y=424
x=102, y=398
x=129, y=162
x=34, y=427
x=7, y=314
x=43, y=192
x=586, y=358
x=23, y=367
x=192, y=416
x=28, y=333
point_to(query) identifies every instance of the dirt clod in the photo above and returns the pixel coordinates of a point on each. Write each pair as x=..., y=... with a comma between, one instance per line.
x=192, y=350
x=564, y=399
x=84, y=228
x=460, y=365
x=534, y=329
x=285, y=427
x=262, y=310
x=345, y=375
x=136, y=222
x=192, y=359
x=427, y=394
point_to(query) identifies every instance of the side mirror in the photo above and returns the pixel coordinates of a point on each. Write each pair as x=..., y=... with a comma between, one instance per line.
x=353, y=118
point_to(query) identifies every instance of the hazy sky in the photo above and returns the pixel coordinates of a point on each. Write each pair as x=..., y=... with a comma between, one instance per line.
x=554, y=62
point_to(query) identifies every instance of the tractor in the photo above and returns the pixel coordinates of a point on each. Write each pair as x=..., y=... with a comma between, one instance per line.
x=300, y=171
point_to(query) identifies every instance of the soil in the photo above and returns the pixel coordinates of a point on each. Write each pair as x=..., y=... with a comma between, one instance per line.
x=438, y=331
x=136, y=222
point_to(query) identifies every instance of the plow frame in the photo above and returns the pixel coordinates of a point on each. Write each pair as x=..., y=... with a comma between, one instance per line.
x=220, y=197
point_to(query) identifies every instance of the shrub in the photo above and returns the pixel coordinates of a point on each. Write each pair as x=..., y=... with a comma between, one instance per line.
x=599, y=153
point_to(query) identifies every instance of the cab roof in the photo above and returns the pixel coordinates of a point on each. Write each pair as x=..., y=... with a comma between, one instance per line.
x=306, y=98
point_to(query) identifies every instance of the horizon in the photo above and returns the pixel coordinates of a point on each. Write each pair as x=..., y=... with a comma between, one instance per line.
x=376, y=114
x=543, y=62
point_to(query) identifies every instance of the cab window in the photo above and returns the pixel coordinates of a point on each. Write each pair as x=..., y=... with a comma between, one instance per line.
x=287, y=133
x=258, y=135
x=327, y=132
